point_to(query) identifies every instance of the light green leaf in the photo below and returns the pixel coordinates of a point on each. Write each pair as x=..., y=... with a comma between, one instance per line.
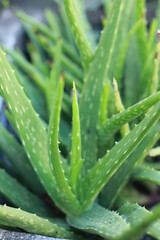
x=28, y=68
x=33, y=93
x=101, y=221
x=101, y=173
x=121, y=176
x=117, y=121
x=95, y=80
x=120, y=108
x=75, y=160
x=134, y=214
x=52, y=82
x=151, y=38
x=70, y=203
x=31, y=223
x=103, y=112
x=30, y=128
x=53, y=22
x=142, y=31
x=74, y=18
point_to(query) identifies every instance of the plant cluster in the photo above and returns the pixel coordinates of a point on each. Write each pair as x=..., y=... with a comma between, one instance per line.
x=80, y=150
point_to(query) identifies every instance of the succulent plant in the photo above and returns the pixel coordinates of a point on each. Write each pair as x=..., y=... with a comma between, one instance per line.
x=83, y=147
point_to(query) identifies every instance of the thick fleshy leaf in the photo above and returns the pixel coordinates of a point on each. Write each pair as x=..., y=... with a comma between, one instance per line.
x=75, y=160
x=84, y=47
x=28, y=68
x=101, y=173
x=30, y=128
x=117, y=121
x=17, y=218
x=141, y=227
x=121, y=176
x=103, y=112
x=70, y=203
x=120, y=108
x=134, y=214
x=94, y=82
x=17, y=157
x=142, y=31
x=101, y=221
x=51, y=84
x=18, y=195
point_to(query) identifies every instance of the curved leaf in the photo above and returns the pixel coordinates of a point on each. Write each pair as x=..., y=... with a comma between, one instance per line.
x=31, y=223
x=70, y=203
x=101, y=221
x=100, y=174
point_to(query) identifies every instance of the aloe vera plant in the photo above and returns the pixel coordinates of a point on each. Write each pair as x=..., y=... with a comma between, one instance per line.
x=81, y=138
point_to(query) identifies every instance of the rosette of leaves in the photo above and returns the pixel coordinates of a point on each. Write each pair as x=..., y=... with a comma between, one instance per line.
x=86, y=183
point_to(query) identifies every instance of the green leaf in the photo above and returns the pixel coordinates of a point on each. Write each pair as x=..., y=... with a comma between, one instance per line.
x=117, y=121
x=87, y=27
x=74, y=18
x=8, y=167
x=16, y=155
x=70, y=203
x=151, y=38
x=27, y=67
x=92, y=91
x=30, y=128
x=146, y=174
x=51, y=84
x=146, y=75
x=121, y=176
x=53, y=22
x=122, y=56
x=68, y=49
x=33, y=93
x=67, y=63
x=135, y=214
x=153, y=165
x=131, y=77
x=120, y=108
x=64, y=132
x=75, y=160
x=101, y=173
x=142, y=31
x=103, y=112
x=66, y=29
x=36, y=52
x=152, y=85
x=32, y=223
x=101, y=221
x=18, y=195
